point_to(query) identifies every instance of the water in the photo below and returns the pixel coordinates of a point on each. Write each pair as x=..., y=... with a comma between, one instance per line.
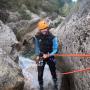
x=29, y=69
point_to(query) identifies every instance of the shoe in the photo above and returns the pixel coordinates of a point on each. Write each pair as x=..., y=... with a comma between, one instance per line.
x=55, y=87
x=41, y=88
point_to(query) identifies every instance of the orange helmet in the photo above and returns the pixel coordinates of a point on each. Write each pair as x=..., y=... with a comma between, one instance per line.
x=42, y=25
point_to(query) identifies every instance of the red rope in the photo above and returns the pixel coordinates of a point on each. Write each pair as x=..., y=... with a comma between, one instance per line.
x=75, y=71
x=73, y=55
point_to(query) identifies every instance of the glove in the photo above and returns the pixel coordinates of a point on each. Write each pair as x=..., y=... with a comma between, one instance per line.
x=45, y=56
x=37, y=59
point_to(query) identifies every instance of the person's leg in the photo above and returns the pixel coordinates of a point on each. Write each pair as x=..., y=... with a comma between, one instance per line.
x=52, y=67
x=40, y=68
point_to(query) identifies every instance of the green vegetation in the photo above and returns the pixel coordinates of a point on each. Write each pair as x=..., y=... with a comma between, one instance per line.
x=62, y=7
x=33, y=5
x=25, y=13
x=10, y=4
x=65, y=7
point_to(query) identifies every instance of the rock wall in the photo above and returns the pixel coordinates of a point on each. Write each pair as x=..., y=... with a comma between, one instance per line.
x=7, y=37
x=74, y=33
x=11, y=77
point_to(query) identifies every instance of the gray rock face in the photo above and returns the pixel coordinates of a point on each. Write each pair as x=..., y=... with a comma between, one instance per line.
x=75, y=35
x=10, y=74
x=14, y=16
x=23, y=27
x=4, y=15
x=7, y=37
x=11, y=77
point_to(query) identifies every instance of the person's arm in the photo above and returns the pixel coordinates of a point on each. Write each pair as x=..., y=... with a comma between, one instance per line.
x=37, y=50
x=55, y=46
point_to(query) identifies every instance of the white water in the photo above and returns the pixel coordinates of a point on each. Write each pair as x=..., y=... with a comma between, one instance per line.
x=29, y=69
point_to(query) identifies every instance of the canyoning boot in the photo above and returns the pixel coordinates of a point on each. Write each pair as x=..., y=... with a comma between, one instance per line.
x=41, y=88
x=55, y=85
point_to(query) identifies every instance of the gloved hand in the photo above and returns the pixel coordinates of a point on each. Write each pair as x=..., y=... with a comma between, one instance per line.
x=45, y=56
x=37, y=59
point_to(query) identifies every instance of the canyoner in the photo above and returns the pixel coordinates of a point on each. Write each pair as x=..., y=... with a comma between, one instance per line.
x=46, y=45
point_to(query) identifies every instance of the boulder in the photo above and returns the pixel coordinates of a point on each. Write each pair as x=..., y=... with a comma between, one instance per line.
x=11, y=77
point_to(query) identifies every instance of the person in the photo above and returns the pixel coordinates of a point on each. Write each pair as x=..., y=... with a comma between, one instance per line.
x=46, y=45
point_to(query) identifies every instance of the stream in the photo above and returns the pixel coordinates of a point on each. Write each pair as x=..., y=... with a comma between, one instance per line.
x=29, y=70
